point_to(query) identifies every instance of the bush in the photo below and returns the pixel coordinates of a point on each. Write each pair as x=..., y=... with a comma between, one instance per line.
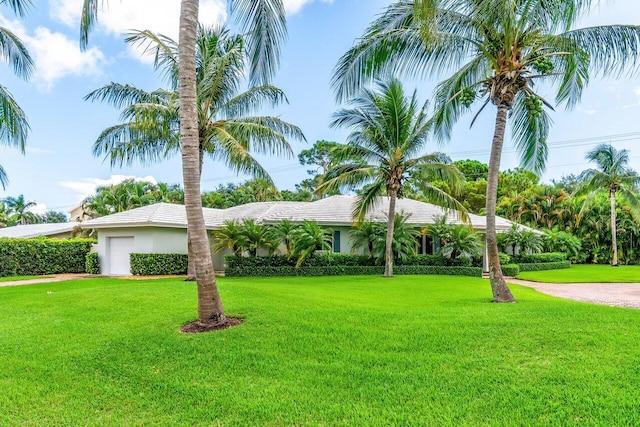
x=158, y=264
x=545, y=266
x=540, y=258
x=33, y=257
x=437, y=260
x=337, y=270
x=504, y=258
x=92, y=265
x=511, y=270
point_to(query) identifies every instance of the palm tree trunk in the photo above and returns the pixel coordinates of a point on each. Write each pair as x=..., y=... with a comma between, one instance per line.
x=388, y=251
x=210, y=309
x=614, y=232
x=501, y=292
x=191, y=265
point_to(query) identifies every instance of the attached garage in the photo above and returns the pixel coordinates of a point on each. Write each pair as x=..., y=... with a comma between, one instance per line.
x=118, y=260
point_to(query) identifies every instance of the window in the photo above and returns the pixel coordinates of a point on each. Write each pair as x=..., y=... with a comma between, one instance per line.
x=336, y=241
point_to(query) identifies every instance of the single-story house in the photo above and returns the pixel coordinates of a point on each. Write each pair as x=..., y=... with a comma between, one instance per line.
x=162, y=227
x=62, y=230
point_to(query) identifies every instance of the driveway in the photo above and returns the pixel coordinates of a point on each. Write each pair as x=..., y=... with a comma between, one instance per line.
x=614, y=294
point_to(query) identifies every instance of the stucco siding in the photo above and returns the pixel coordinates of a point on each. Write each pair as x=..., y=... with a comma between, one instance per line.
x=169, y=241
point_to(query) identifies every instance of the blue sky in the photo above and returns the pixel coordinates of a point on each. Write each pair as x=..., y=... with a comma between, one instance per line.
x=58, y=169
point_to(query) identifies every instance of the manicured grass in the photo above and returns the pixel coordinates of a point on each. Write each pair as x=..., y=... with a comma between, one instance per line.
x=586, y=274
x=413, y=350
x=17, y=278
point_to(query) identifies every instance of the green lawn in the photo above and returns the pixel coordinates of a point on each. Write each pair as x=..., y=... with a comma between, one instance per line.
x=16, y=278
x=413, y=350
x=586, y=274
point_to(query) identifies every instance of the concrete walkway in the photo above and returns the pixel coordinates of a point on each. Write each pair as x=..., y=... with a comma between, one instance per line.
x=55, y=278
x=613, y=294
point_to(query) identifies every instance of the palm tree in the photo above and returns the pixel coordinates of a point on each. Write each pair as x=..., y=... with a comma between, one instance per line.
x=285, y=232
x=364, y=235
x=403, y=243
x=19, y=209
x=230, y=236
x=461, y=242
x=14, y=127
x=498, y=50
x=614, y=176
x=309, y=238
x=255, y=236
x=388, y=133
x=265, y=23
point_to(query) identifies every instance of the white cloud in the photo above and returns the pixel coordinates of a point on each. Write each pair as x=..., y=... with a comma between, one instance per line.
x=55, y=55
x=39, y=209
x=120, y=16
x=293, y=6
x=587, y=111
x=87, y=186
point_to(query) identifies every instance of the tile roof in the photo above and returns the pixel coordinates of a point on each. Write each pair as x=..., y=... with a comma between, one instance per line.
x=334, y=211
x=35, y=230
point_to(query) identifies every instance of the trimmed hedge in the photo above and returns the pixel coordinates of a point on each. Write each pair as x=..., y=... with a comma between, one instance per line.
x=33, y=257
x=540, y=258
x=437, y=260
x=511, y=270
x=92, y=265
x=158, y=264
x=342, y=270
x=545, y=266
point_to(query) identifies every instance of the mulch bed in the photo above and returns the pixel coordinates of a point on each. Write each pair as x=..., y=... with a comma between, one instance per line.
x=196, y=326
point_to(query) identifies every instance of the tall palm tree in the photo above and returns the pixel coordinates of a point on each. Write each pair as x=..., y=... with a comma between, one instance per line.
x=265, y=24
x=388, y=133
x=14, y=127
x=497, y=50
x=19, y=209
x=614, y=176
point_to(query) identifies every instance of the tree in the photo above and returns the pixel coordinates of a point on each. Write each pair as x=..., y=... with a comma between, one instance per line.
x=473, y=170
x=388, y=133
x=285, y=232
x=53, y=217
x=614, y=176
x=230, y=236
x=309, y=238
x=19, y=209
x=129, y=194
x=14, y=127
x=497, y=51
x=364, y=235
x=403, y=242
x=255, y=236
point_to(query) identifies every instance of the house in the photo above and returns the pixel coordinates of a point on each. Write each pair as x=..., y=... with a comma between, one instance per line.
x=162, y=227
x=63, y=230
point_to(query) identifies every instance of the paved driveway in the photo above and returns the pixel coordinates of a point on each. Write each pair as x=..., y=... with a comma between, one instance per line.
x=614, y=294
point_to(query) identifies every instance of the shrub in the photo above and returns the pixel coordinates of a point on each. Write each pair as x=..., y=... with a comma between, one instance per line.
x=545, y=266
x=511, y=270
x=504, y=258
x=438, y=260
x=342, y=270
x=32, y=257
x=92, y=265
x=158, y=264
x=540, y=258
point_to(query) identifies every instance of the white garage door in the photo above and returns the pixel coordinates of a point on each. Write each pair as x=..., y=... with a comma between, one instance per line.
x=119, y=250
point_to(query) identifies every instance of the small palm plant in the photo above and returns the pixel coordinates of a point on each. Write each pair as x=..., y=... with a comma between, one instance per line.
x=613, y=176
x=254, y=236
x=461, y=242
x=285, y=233
x=403, y=244
x=309, y=238
x=365, y=235
x=230, y=236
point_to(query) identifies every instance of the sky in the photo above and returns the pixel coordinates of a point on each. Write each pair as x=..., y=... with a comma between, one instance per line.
x=58, y=169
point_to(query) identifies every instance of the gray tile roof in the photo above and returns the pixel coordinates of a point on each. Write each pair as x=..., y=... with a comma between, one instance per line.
x=35, y=230
x=334, y=211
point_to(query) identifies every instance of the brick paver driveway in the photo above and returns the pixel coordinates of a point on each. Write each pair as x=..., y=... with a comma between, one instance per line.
x=614, y=294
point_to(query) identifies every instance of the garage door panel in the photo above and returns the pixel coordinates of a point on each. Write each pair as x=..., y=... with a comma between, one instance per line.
x=119, y=250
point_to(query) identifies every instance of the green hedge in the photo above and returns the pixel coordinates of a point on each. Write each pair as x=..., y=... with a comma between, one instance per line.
x=540, y=258
x=158, y=264
x=511, y=270
x=336, y=270
x=339, y=260
x=92, y=265
x=545, y=266
x=33, y=257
